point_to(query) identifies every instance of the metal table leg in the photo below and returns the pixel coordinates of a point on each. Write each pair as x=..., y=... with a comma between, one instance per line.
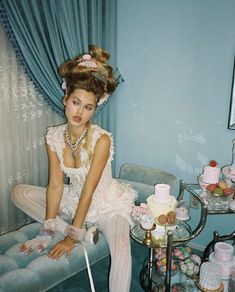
x=150, y=270
x=169, y=260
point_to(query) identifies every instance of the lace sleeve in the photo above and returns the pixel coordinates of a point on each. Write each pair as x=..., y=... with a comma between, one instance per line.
x=98, y=132
x=49, y=138
x=111, y=148
x=54, y=138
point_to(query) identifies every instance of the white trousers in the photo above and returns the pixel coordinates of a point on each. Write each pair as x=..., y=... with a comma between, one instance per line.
x=32, y=200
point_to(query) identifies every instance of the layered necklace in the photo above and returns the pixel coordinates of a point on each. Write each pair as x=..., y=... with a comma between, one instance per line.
x=74, y=145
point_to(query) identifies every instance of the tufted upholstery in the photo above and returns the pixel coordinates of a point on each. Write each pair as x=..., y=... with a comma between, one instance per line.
x=36, y=272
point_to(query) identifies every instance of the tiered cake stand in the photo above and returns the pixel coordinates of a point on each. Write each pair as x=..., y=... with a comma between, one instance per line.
x=150, y=278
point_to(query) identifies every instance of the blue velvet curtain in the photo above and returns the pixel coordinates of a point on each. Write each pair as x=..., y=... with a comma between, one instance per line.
x=45, y=33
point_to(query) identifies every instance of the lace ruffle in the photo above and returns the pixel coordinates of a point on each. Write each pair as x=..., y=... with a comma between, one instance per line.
x=117, y=199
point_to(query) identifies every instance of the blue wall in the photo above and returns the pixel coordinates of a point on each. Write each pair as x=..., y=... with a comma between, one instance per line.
x=176, y=57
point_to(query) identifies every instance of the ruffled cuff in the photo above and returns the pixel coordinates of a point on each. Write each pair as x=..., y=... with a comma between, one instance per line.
x=48, y=228
x=75, y=233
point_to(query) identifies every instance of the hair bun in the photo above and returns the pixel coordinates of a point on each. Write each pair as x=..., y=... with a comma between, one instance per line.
x=89, y=71
x=99, y=54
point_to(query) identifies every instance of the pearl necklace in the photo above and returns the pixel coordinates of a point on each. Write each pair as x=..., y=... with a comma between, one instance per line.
x=74, y=146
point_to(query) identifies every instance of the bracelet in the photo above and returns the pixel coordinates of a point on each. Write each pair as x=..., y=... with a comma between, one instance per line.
x=75, y=242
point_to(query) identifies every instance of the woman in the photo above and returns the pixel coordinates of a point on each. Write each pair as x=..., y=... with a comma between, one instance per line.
x=83, y=152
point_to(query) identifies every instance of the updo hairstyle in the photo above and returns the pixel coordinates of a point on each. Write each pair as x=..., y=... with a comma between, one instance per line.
x=78, y=76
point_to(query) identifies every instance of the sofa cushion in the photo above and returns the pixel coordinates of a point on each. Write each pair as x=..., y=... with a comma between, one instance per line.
x=37, y=272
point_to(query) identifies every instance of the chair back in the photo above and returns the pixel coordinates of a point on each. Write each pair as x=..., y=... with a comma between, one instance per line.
x=146, y=175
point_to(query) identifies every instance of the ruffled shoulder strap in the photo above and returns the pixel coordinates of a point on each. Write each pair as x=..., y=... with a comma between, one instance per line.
x=97, y=133
x=55, y=139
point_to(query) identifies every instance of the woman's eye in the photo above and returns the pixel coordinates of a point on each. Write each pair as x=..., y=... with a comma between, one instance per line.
x=89, y=108
x=75, y=102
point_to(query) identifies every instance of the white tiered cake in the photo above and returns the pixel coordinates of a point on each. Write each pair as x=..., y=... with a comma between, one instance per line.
x=161, y=203
x=162, y=208
x=223, y=256
x=210, y=277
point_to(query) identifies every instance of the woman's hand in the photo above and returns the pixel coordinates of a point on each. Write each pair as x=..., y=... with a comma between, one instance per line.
x=44, y=238
x=38, y=244
x=64, y=246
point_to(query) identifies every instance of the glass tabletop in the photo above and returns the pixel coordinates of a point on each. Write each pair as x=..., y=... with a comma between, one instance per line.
x=182, y=230
x=216, y=204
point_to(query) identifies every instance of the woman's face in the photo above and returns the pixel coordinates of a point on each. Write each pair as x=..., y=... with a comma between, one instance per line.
x=79, y=107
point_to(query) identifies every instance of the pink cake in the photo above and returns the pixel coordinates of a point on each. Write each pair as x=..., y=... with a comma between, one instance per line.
x=182, y=213
x=211, y=173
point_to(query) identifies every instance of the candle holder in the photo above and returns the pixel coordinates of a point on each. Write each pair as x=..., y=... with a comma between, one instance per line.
x=148, y=236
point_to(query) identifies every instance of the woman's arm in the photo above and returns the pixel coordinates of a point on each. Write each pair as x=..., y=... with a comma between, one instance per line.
x=55, y=186
x=98, y=163
x=99, y=160
x=53, y=197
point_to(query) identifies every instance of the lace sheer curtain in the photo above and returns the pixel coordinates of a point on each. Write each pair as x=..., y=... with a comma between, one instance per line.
x=24, y=118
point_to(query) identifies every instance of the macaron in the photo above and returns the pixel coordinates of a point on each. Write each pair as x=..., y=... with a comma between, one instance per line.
x=211, y=187
x=228, y=191
x=218, y=191
x=223, y=185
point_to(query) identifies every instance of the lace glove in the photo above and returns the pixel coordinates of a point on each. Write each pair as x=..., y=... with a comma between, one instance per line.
x=44, y=238
x=74, y=233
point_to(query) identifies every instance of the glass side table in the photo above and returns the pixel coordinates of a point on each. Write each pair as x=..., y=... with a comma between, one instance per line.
x=150, y=279
x=216, y=205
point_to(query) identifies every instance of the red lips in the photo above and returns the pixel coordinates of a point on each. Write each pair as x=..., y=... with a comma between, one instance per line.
x=77, y=119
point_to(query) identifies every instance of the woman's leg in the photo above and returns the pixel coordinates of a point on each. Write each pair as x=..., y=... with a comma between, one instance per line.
x=32, y=200
x=117, y=232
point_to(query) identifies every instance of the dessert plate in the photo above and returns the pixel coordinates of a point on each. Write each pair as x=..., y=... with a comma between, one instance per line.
x=183, y=219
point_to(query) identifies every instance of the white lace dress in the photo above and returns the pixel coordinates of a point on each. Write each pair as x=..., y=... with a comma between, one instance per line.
x=110, y=197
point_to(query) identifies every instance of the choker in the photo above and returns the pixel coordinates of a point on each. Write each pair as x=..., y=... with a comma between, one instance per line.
x=74, y=146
